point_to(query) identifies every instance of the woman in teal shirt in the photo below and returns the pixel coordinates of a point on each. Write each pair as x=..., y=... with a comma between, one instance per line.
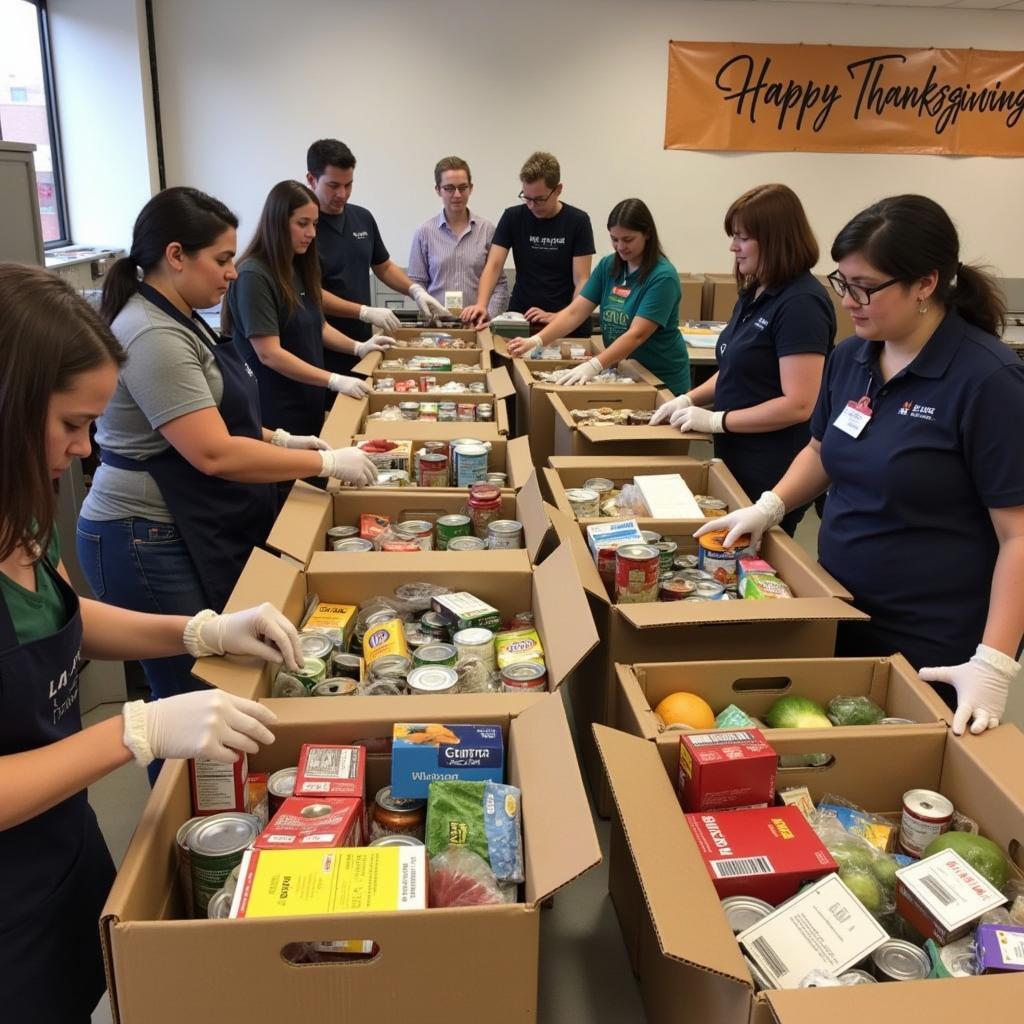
x=638, y=291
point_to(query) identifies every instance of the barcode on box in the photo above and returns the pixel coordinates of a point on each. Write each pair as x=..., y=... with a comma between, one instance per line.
x=937, y=889
x=325, y=763
x=720, y=737
x=775, y=964
x=742, y=866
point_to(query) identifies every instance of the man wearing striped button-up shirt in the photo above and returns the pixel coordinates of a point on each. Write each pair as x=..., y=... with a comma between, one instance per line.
x=449, y=251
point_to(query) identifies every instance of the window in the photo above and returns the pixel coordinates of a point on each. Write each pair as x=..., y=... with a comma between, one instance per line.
x=27, y=108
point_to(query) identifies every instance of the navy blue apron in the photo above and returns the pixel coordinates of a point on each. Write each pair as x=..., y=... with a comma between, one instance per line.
x=220, y=520
x=57, y=870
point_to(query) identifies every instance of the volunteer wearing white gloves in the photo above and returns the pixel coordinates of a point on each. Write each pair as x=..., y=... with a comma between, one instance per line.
x=638, y=291
x=61, y=363
x=772, y=352
x=916, y=435
x=187, y=487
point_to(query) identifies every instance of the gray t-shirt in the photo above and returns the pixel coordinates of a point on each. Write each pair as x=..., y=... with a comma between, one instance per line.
x=169, y=372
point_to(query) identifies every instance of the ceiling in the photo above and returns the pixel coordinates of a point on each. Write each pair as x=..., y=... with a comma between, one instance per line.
x=987, y=5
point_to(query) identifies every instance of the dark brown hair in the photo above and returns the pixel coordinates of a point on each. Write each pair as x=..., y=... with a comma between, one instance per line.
x=326, y=153
x=48, y=337
x=907, y=237
x=634, y=215
x=541, y=166
x=451, y=163
x=774, y=217
x=272, y=245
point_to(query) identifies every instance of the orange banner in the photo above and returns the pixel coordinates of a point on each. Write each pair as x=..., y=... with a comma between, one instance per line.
x=844, y=99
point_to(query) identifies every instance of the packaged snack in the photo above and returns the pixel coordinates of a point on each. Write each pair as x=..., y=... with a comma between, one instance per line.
x=517, y=645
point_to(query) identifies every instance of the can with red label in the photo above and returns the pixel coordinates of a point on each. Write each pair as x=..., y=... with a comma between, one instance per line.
x=606, y=569
x=926, y=815
x=637, y=568
x=524, y=677
x=428, y=382
x=432, y=469
x=421, y=530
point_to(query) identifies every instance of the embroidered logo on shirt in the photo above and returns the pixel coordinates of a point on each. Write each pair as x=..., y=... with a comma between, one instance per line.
x=761, y=323
x=917, y=412
x=360, y=234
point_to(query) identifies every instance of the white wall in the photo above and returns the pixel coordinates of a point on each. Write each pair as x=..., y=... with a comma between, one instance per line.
x=245, y=85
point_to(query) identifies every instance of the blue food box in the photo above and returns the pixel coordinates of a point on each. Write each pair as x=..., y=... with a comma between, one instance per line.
x=422, y=753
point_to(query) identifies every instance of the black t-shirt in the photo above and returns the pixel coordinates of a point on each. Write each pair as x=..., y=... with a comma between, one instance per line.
x=543, y=252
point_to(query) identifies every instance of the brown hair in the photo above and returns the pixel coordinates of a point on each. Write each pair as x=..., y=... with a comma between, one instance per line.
x=541, y=166
x=634, y=215
x=48, y=337
x=272, y=245
x=451, y=163
x=775, y=218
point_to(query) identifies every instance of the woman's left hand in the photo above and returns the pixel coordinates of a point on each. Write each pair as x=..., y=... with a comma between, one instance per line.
x=582, y=373
x=982, y=685
x=518, y=347
x=694, y=419
x=307, y=442
x=261, y=631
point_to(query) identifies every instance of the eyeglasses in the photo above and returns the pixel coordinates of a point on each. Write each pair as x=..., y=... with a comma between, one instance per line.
x=452, y=189
x=533, y=200
x=860, y=293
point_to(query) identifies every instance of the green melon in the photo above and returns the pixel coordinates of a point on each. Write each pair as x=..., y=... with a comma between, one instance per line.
x=794, y=712
x=982, y=854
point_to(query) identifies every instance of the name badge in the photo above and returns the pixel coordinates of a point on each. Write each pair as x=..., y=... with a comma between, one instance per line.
x=855, y=417
x=622, y=293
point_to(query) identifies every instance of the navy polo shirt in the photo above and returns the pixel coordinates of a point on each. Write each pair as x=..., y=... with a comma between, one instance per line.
x=789, y=319
x=906, y=526
x=348, y=244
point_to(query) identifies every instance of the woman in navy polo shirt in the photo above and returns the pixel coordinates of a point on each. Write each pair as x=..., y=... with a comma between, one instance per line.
x=916, y=434
x=772, y=353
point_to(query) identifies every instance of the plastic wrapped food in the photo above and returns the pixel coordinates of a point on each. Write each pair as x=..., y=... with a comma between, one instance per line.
x=854, y=710
x=631, y=501
x=414, y=598
x=461, y=878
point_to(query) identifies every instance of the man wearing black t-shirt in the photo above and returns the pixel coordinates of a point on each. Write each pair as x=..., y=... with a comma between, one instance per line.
x=350, y=246
x=552, y=245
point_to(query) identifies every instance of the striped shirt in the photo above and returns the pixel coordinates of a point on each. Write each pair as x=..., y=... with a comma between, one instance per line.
x=441, y=262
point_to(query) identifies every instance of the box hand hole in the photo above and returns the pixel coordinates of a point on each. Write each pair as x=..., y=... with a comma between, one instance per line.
x=330, y=952
x=764, y=684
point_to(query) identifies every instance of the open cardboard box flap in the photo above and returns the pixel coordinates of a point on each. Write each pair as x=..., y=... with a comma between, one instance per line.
x=562, y=843
x=797, y=609
x=434, y=430
x=518, y=461
x=500, y=383
x=532, y=515
x=663, y=850
x=639, y=434
x=302, y=522
x=568, y=532
x=343, y=420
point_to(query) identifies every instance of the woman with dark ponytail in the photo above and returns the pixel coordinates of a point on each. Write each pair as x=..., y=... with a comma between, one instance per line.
x=186, y=488
x=917, y=437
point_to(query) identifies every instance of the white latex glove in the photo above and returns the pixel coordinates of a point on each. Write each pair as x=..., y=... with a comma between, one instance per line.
x=262, y=631
x=981, y=685
x=349, y=465
x=520, y=347
x=582, y=373
x=429, y=306
x=354, y=387
x=378, y=343
x=210, y=724
x=698, y=420
x=380, y=317
x=668, y=411
x=283, y=439
x=756, y=519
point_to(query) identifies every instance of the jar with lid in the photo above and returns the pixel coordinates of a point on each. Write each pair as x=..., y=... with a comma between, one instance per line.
x=484, y=507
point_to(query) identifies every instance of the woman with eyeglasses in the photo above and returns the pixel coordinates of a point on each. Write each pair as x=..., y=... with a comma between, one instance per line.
x=771, y=353
x=917, y=436
x=449, y=252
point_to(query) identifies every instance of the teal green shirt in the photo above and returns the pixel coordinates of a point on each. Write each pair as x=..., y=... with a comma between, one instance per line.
x=655, y=298
x=40, y=613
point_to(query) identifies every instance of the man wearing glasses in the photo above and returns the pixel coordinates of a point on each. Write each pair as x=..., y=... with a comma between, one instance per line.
x=449, y=252
x=552, y=245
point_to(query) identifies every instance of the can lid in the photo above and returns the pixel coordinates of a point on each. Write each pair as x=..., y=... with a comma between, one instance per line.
x=636, y=551
x=855, y=976
x=650, y=536
x=715, y=541
x=416, y=526
x=524, y=670
x=338, y=686
x=397, y=804
x=455, y=519
x=927, y=804
x=466, y=544
x=397, y=841
x=315, y=645
x=433, y=678
x=473, y=636
x=219, y=906
x=582, y=494
x=901, y=959
x=436, y=652
x=504, y=526
x=282, y=782
x=744, y=911
x=230, y=832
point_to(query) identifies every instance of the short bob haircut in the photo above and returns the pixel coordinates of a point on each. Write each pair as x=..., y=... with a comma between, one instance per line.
x=775, y=218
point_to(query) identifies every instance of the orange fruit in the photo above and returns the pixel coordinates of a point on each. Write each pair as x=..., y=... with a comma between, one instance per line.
x=685, y=708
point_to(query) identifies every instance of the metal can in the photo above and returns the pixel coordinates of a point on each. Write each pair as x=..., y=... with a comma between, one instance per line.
x=714, y=557
x=667, y=552
x=584, y=502
x=336, y=687
x=856, y=976
x=341, y=533
x=899, y=960
x=396, y=841
x=435, y=654
x=219, y=906
x=650, y=536
x=676, y=588
x=606, y=569
x=346, y=666
x=431, y=469
x=896, y=721
x=446, y=412
x=476, y=643
x=636, y=573
x=504, y=534
x=435, y=626
x=393, y=478
x=313, y=671
x=744, y=912
x=485, y=412
x=384, y=384
x=498, y=479
x=315, y=645
x=280, y=786
x=601, y=484
x=185, y=862
x=420, y=529
x=288, y=685
x=697, y=575
x=215, y=847
x=466, y=544
x=470, y=464
x=711, y=507
x=465, y=412
x=353, y=543
x=431, y=679
x=428, y=412
x=959, y=958
x=391, y=816
x=524, y=677
x=708, y=590
x=450, y=527
x=926, y=815
x=393, y=668
x=409, y=410
x=685, y=562
x=428, y=382
x=476, y=387
x=484, y=506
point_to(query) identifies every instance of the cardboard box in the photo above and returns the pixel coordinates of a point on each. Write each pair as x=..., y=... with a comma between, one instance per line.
x=710, y=477
x=156, y=963
x=475, y=360
x=550, y=590
x=534, y=415
x=309, y=512
x=572, y=439
x=473, y=339
x=491, y=379
x=591, y=346
x=689, y=966
x=719, y=298
x=381, y=400
x=668, y=631
x=692, y=302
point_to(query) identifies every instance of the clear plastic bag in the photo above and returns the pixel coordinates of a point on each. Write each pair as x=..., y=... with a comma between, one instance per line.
x=631, y=500
x=461, y=878
x=393, y=539
x=476, y=677
x=413, y=599
x=854, y=710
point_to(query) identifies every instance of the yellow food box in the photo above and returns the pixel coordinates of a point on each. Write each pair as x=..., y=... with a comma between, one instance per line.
x=335, y=620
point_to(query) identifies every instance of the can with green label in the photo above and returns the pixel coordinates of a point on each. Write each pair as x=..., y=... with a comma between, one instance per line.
x=450, y=527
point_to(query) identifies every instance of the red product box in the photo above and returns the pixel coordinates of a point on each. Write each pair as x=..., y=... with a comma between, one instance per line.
x=328, y=770
x=301, y=824
x=725, y=769
x=764, y=852
x=218, y=787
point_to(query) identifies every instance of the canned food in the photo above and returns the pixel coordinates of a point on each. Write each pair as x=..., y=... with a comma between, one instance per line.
x=485, y=412
x=476, y=643
x=477, y=387
x=711, y=507
x=434, y=626
x=409, y=410
x=446, y=412
x=522, y=620
x=708, y=590
x=685, y=562
x=428, y=412
x=484, y=507
x=466, y=544
x=185, y=862
x=600, y=484
x=420, y=529
x=499, y=479
x=470, y=464
x=431, y=679
x=391, y=817
x=280, y=786
x=959, y=958
x=606, y=569
x=345, y=665
x=428, y=382
x=341, y=533
x=636, y=573
x=385, y=384
x=650, y=537
x=744, y=912
x=676, y=588
x=857, y=977
x=354, y=543
x=667, y=553
x=415, y=638
x=697, y=575
x=450, y=527
x=396, y=841
x=926, y=815
x=219, y=906
x=465, y=412
x=336, y=687
x=714, y=557
x=524, y=677
x=435, y=654
x=899, y=960
x=432, y=469
x=315, y=645
x=216, y=846
x=584, y=502
x=391, y=668
x=384, y=638
x=393, y=478
x=504, y=534
x=288, y=685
